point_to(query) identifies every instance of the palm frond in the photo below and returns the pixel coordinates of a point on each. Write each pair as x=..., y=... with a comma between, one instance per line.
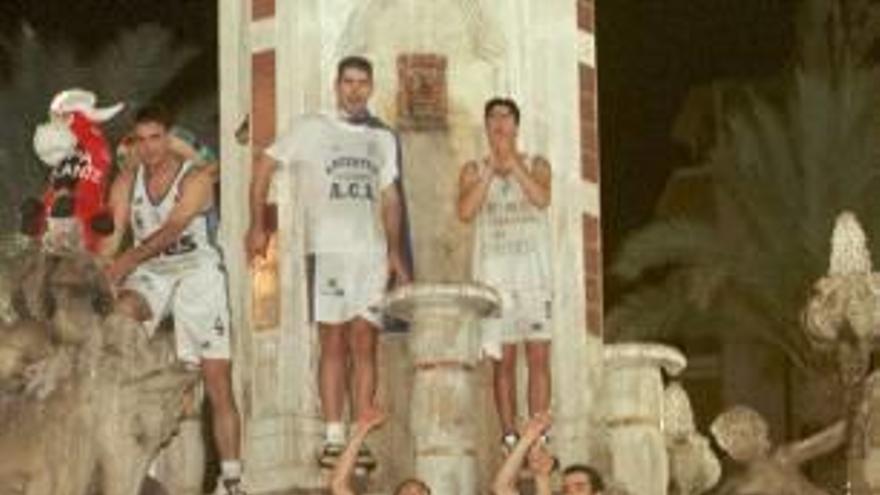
x=783, y=170
x=668, y=244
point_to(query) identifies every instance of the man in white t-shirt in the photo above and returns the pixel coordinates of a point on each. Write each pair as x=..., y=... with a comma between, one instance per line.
x=506, y=195
x=345, y=171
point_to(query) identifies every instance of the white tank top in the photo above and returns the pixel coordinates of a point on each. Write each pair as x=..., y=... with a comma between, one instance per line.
x=512, y=238
x=192, y=249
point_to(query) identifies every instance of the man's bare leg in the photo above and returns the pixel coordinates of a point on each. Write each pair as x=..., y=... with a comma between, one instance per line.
x=538, y=360
x=504, y=381
x=332, y=369
x=363, y=339
x=217, y=375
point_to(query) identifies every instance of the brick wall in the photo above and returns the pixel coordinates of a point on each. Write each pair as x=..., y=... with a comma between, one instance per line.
x=263, y=98
x=590, y=171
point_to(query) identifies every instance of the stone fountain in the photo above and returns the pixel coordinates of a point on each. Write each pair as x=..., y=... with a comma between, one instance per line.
x=443, y=307
x=444, y=345
x=634, y=409
x=843, y=316
x=85, y=399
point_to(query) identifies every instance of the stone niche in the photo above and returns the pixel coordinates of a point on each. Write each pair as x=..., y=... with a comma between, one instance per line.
x=421, y=97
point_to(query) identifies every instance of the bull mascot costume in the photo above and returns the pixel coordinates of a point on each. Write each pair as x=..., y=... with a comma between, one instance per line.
x=72, y=145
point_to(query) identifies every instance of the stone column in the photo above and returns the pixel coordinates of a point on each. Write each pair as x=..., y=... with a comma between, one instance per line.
x=445, y=346
x=633, y=399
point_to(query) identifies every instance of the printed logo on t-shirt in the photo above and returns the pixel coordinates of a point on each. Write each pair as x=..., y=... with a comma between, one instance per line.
x=352, y=178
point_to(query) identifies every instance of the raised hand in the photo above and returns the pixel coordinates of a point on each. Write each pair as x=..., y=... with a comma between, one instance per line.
x=536, y=426
x=541, y=462
x=370, y=419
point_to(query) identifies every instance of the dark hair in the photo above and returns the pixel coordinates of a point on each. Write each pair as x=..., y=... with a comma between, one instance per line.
x=154, y=113
x=502, y=102
x=354, y=62
x=414, y=481
x=595, y=478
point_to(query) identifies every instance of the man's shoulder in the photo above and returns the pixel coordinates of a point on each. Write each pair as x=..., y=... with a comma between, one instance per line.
x=379, y=126
x=309, y=120
x=375, y=122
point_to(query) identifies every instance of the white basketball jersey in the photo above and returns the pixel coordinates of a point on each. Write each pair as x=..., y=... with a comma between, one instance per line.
x=341, y=170
x=147, y=215
x=512, y=238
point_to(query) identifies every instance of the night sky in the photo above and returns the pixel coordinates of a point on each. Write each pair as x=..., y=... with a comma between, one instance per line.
x=650, y=52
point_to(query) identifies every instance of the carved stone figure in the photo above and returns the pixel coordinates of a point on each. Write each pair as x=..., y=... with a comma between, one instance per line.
x=843, y=316
x=742, y=433
x=870, y=414
x=693, y=467
x=85, y=399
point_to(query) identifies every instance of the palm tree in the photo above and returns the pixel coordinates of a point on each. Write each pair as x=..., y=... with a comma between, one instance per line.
x=781, y=172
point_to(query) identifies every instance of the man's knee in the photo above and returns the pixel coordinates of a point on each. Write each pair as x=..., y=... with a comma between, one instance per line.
x=538, y=355
x=217, y=376
x=133, y=305
x=364, y=338
x=333, y=342
x=506, y=366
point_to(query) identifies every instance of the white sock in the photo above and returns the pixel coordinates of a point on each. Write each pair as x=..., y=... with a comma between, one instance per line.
x=335, y=433
x=230, y=469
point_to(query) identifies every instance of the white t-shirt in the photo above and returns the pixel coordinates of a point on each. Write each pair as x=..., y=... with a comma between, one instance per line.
x=341, y=170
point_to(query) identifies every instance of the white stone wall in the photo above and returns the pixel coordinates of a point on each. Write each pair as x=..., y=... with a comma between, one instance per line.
x=527, y=49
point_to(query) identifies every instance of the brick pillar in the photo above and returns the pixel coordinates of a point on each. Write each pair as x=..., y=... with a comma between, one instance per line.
x=263, y=82
x=263, y=99
x=589, y=120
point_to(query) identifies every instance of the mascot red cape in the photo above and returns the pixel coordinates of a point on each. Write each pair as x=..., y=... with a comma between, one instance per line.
x=74, y=148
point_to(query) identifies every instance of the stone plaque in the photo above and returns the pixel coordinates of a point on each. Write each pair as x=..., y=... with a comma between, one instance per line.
x=421, y=97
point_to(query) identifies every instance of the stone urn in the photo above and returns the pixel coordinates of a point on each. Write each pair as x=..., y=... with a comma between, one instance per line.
x=444, y=344
x=633, y=401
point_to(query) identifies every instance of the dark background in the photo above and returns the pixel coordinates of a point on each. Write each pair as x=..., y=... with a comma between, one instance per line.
x=650, y=53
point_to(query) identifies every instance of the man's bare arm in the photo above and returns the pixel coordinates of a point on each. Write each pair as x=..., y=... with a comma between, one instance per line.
x=507, y=475
x=340, y=483
x=816, y=445
x=392, y=221
x=196, y=193
x=118, y=202
x=473, y=185
x=536, y=184
x=261, y=177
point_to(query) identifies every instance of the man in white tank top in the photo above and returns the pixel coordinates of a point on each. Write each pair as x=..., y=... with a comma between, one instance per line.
x=346, y=170
x=506, y=195
x=174, y=269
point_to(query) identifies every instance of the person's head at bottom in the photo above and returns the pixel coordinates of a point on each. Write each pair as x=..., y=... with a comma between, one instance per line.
x=412, y=486
x=580, y=479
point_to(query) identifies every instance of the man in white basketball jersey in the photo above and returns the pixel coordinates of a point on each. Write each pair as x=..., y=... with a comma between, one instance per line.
x=345, y=169
x=506, y=195
x=174, y=269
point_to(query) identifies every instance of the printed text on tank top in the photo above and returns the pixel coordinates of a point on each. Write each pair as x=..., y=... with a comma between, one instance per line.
x=512, y=236
x=509, y=219
x=192, y=247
